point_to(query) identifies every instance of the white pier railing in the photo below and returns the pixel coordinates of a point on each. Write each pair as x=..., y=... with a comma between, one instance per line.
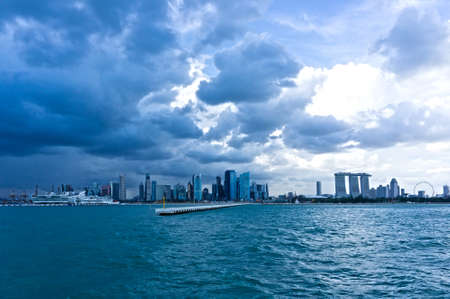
x=192, y=209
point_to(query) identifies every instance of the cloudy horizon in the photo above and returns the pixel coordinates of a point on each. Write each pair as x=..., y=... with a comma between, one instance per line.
x=292, y=91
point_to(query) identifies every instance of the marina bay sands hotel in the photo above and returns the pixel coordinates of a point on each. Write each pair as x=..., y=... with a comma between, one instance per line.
x=357, y=187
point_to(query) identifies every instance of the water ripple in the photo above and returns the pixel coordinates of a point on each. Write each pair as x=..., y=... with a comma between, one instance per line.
x=255, y=251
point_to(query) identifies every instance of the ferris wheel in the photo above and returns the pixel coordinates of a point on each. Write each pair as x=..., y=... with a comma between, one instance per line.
x=424, y=183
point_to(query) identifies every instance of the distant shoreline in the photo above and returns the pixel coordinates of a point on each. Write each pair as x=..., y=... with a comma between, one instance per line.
x=205, y=203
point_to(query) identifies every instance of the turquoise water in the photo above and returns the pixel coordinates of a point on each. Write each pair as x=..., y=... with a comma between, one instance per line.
x=247, y=251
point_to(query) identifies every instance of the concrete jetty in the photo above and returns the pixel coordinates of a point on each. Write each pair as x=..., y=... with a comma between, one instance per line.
x=192, y=209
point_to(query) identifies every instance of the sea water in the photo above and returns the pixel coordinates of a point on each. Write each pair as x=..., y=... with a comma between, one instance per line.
x=400, y=250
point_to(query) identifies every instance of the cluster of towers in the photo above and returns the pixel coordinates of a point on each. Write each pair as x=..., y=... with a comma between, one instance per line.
x=358, y=184
x=234, y=187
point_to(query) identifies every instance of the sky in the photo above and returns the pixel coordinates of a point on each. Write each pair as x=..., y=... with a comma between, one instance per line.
x=292, y=91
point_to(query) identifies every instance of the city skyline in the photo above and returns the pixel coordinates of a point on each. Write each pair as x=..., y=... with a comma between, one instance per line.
x=346, y=185
x=291, y=91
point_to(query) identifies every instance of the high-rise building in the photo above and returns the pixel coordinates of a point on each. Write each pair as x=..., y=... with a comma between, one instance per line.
x=264, y=192
x=122, y=188
x=190, y=192
x=205, y=194
x=220, y=190
x=353, y=185
x=382, y=192
x=105, y=190
x=153, y=194
x=147, y=188
x=230, y=185
x=244, y=186
x=197, y=188
x=364, y=182
x=95, y=189
x=394, y=190
x=237, y=188
x=402, y=192
x=356, y=188
x=180, y=192
x=259, y=191
x=163, y=191
x=446, y=191
x=214, y=192
x=318, y=188
x=141, y=192
x=115, y=191
x=68, y=188
x=339, y=183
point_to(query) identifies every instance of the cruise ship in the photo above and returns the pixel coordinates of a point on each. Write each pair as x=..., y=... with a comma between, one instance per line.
x=72, y=199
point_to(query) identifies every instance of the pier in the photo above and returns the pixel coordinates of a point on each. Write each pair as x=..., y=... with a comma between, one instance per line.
x=192, y=209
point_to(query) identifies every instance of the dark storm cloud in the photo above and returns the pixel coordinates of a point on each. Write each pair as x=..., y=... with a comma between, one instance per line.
x=415, y=41
x=90, y=104
x=56, y=33
x=37, y=113
x=211, y=154
x=251, y=72
x=223, y=20
x=317, y=134
x=177, y=124
x=227, y=122
x=254, y=122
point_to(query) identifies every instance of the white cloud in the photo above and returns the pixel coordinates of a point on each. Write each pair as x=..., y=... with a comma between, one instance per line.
x=352, y=88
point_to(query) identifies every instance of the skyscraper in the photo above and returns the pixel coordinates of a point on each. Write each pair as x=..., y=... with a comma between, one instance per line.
x=237, y=188
x=230, y=185
x=382, y=192
x=205, y=194
x=190, y=192
x=122, y=188
x=446, y=191
x=180, y=192
x=339, y=183
x=162, y=191
x=364, y=182
x=148, y=188
x=353, y=185
x=244, y=186
x=115, y=191
x=220, y=191
x=214, y=192
x=141, y=192
x=197, y=188
x=318, y=188
x=394, y=190
x=153, y=194
x=105, y=190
